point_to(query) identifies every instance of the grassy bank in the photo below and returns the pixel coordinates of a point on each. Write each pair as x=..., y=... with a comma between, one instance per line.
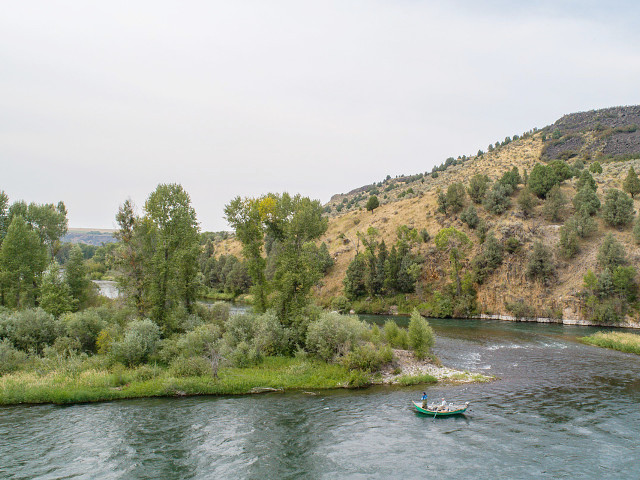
x=621, y=341
x=97, y=384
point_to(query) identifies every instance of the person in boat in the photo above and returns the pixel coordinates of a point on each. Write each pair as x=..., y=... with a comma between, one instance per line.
x=443, y=406
x=424, y=399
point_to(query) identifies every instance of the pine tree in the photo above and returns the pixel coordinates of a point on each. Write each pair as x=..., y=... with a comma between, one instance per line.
x=631, y=184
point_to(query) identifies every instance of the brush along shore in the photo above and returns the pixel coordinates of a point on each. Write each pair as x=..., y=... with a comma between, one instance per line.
x=74, y=381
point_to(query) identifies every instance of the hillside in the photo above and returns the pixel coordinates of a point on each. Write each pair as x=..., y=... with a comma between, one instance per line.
x=609, y=136
x=89, y=236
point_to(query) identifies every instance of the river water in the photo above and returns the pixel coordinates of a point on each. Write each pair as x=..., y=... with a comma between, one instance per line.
x=559, y=409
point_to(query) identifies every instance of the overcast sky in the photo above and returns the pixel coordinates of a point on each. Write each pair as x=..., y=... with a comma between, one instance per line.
x=101, y=101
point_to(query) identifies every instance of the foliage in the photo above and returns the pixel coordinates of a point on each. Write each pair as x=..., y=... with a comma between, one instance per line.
x=595, y=167
x=526, y=201
x=470, y=217
x=333, y=334
x=456, y=243
x=636, y=230
x=488, y=259
x=453, y=200
x=478, y=187
x=511, y=179
x=372, y=203
x=76, y=277
x=11, y=359
x=611, y=253
x=554, y=205
x=497, y=199
x=421, y=336
x=30, y=330
x=84, y=327
x=56, y=296
x=367, y=358
x=542, y=179
x=617, y=210
x=631, y=183
x=141, y=339
x=586, y=199
x=540, y=265
x=586, y=180
x=23, y=258
x=568, y=245
x=621, y=341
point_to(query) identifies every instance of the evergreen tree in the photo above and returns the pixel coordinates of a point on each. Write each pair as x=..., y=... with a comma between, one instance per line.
x=611, y=253
x=526, y=202
x=586, y=199
x=617, y=210
x=478, y=186
x=631, y=184
x=554, y=204
x=372, y=203
x=540, y=265
x=595, y=167
x=587, y=180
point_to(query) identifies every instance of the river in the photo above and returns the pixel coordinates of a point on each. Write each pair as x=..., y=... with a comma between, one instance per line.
x=559, y=409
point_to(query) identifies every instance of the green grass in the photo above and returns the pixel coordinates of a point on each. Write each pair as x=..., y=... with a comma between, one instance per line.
x=408, y=380
x=60, y=386
x=621, y=341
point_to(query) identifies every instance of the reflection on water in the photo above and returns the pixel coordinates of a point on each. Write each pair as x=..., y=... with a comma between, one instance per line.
x=560, y=409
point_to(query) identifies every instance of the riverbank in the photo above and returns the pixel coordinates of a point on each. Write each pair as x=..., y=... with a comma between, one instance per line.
x=621, y=341
x=82, y=382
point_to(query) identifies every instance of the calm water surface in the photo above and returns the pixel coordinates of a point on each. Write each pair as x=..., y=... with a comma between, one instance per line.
x=559, y=410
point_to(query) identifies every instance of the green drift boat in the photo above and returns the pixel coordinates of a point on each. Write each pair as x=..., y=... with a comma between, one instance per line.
x=436, y=410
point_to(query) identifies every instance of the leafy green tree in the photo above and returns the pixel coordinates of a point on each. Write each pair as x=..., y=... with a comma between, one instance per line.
x=631, y=183
x=561, y=170
x=540, y=265
x=172, y=231
x=55, y=295
x=372, y=203
x=617, y=210
x=76, y=277
x=455, y=197
x=595, y=167
x=457, y=244
x=554, y=205
x=569, y=244
x=488, y=259
x=23, y=258
x=586, y=199
x=478, y=186
x=295, y=223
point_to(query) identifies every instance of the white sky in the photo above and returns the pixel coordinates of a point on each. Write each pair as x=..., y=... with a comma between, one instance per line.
x=101, y=101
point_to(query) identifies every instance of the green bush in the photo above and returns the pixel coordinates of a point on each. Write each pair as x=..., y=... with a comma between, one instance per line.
x=554, y=205
x=586, y=199
x=341, y=304
x=421, y=337
x=512, y=244
x=470, y=217
x=367, y=358
x=611, y=253
x=333, y=334
x=478, y=186
x=141, y=339
x=190, y=367
x=595, y=167
x=30, y=330
x=11, y=359
x=270, y=337
x=84, y=327
x=497, y=199
x=540, y=265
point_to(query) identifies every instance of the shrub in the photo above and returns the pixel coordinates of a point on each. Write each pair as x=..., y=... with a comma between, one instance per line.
x=586, y=180
x=140, y=341
x=511, y=179
x=372, y=203
x=243, y=355
x=611, y=253
x=30, y=330
x=595, y=167
x=478, y=186
x=512, y=244
x=271, y=337
x=341, y=304
x=367, y=358
x=617, y=210
x=470, y=217
x=636, y=230
x=391, y=331
x=541, y=180
x=487, y=260
x=554, y=205
x=190, y=367
x=424, y=236
x=526, y=201
x=497, y=199
x=586, y=199
x=631, y=183
x=11, y=359
x=540, y=265
x=333, y=334
x=84, y=327
x=421, y=337
x=520, y=309
x=568, y=245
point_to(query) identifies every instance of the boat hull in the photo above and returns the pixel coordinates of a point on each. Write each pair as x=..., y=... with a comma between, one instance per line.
x=458, y=410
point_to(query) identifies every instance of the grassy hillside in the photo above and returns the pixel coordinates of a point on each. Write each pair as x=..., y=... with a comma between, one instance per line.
x=608, y=136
